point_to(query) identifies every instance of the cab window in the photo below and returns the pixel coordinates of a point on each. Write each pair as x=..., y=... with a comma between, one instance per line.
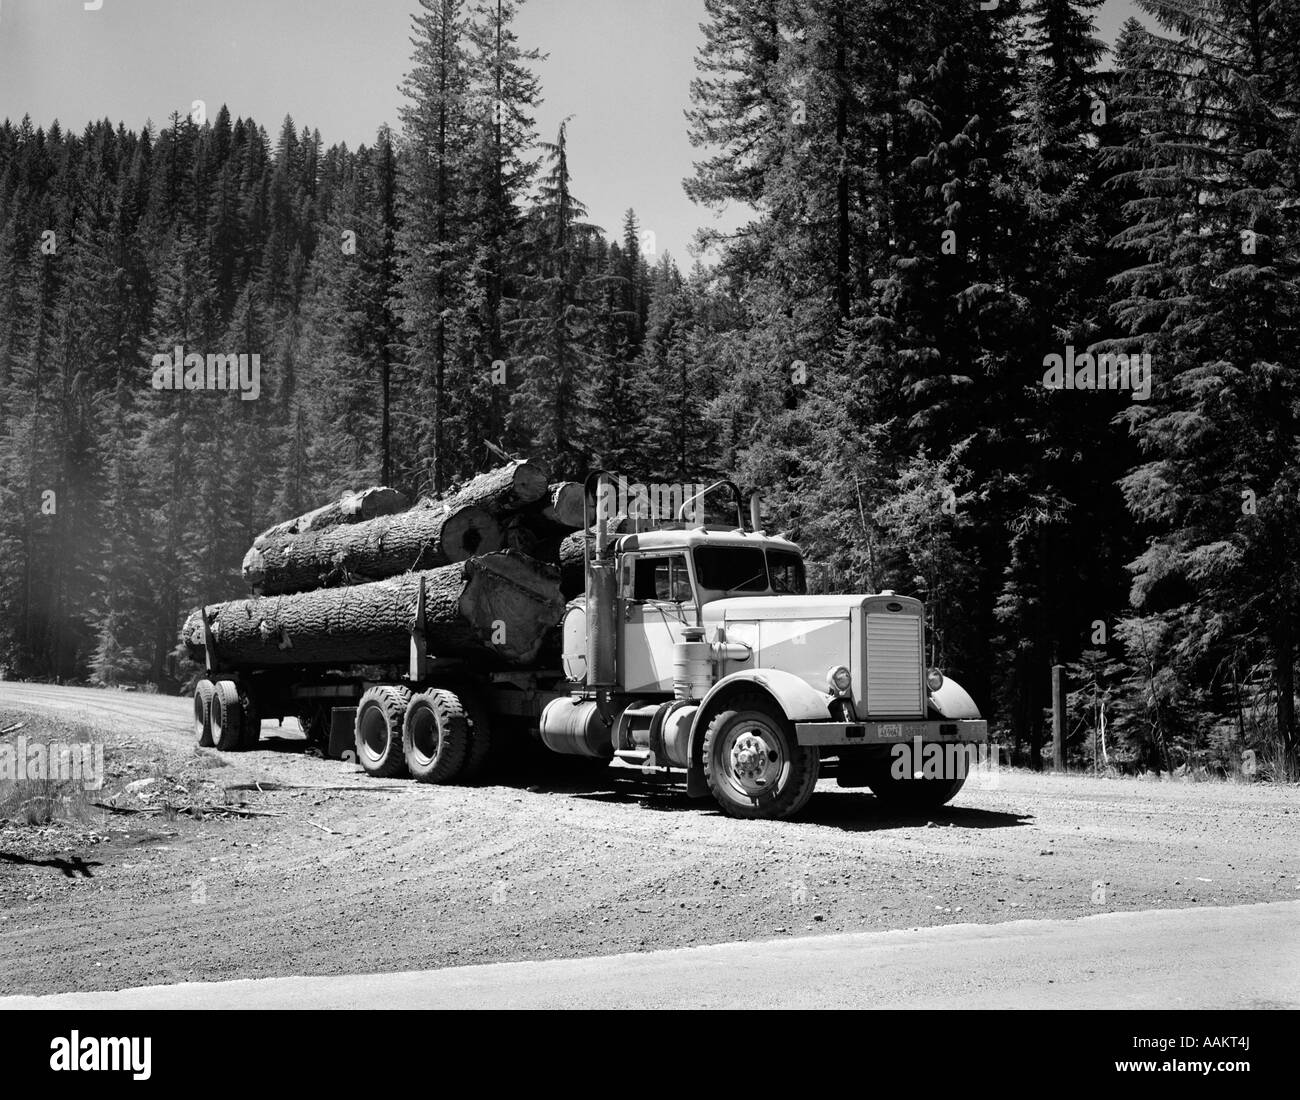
x=731, y=568
x=750, y=569
x=787, y=573
x=662, y=578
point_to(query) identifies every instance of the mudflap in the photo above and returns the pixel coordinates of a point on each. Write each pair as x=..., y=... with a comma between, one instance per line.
x=343, y=738
x=696, y=785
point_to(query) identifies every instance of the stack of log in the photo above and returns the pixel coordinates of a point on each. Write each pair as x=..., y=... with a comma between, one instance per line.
x=477, y=573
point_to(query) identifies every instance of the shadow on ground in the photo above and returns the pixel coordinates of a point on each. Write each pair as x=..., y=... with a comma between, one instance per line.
x=71, y=867
x=541, y=772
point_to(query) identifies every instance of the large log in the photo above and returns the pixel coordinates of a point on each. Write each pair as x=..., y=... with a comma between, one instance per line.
x=572, y=554
x=422, y=538
x=537, y=529
x=500, y=492
x=563, y=506
x=293, y=558
x=496, y=609
x=192, y=635
x=353, y=507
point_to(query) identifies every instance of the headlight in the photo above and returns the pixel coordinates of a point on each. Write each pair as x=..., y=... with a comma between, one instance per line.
x=934, y=679
x=839, y=680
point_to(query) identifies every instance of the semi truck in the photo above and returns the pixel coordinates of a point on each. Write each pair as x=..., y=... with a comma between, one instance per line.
x=694, y=653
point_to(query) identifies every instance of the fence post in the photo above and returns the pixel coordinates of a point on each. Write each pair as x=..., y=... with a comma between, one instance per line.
x=1058, y=718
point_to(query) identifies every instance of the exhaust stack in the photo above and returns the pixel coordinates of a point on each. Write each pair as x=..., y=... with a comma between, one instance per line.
x=602, y=589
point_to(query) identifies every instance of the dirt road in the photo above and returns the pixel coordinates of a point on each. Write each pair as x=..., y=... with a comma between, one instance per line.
x=1245, y=956
x=360, y=876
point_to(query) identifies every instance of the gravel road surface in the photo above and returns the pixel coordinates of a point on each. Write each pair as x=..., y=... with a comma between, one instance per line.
x=1244, y=956
x=359, y=876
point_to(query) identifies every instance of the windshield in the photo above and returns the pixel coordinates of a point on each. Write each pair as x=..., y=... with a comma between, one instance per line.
x=749, y=569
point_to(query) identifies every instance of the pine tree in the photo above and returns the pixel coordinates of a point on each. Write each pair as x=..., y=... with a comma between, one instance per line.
x=1212, y=297
x=555, y=336
x=431, y=243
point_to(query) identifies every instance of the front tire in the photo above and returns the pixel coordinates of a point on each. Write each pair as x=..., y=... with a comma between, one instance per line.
x=912, y=796
x=754, y=766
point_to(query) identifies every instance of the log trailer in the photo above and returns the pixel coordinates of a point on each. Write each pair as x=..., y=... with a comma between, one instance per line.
x=694, y=653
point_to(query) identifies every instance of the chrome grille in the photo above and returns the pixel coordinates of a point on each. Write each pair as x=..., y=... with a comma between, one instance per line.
x=894, y=665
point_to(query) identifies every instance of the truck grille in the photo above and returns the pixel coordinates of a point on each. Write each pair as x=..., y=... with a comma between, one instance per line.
x=894, y=659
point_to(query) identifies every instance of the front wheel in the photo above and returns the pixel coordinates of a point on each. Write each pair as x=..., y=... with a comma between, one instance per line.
x=912, y=795
x=753, y=765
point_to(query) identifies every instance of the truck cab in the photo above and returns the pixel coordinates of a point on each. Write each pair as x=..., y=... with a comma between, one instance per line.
x=670, y=580
x=698, y=648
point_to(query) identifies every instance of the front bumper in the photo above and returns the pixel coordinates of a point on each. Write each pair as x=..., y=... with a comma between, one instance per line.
x=942, y=730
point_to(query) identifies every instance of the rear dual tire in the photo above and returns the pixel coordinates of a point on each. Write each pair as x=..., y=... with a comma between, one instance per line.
x=436, y=737
x=378, y=731
x=225, y=717
x=203, y=692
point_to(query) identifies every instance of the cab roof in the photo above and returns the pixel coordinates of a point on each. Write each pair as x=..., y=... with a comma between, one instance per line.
x=691, y=537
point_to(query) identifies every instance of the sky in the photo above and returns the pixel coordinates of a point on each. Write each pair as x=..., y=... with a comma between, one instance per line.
x=620, y=68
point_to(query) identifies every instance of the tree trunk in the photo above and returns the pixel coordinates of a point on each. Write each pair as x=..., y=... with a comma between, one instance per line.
x=502, y=491
x=323, y=549
x=573, y=553
x=538, y=529
x=422, y=538
x=564, y=505
x=355, y=507
x=496, y=609
x=1284, y=671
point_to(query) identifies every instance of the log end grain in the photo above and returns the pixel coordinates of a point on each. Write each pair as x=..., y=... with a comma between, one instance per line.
x=254, y=566
x=469, y=532
x=513, y=602
x=567, y=500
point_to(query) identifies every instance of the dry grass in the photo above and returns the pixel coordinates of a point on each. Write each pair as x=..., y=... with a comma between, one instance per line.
x=41, y=801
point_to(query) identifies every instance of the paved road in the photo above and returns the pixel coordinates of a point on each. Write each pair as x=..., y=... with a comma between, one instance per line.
x=1245, y=956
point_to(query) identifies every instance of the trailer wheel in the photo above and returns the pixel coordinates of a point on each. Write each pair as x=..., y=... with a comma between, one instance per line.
x=911, y=796
x=314, y=721
x=252, y=723
x=436, y=736
x=227, y=716
x=203, y=691
x=754, y=766
x=481, y=743
x=379, y=731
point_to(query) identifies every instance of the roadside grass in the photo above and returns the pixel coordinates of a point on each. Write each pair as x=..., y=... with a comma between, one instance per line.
x=1271, y=770
x=44, y=798
x=134, y=779
x=1267, y=765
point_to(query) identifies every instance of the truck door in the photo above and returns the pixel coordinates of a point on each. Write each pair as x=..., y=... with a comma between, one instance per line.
x=658, y=603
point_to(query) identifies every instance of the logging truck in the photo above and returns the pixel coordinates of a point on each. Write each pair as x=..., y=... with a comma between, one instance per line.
x=693, y=652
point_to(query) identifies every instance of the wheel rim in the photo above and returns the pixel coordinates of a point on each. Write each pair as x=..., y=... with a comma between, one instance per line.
x=754, y=759
x=425, y=737
x=374, y=732
x=198, y=715
x=218, y=719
